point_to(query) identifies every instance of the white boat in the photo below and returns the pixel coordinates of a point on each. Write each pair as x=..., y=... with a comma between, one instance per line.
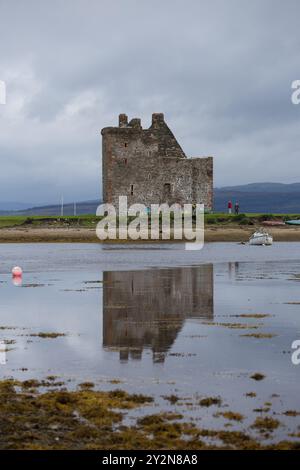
x=261, y=237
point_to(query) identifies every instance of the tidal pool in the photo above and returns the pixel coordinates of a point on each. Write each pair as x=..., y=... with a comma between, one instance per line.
x=177, y=325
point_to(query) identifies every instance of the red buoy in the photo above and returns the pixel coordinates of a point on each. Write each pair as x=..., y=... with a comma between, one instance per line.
x=17, y=271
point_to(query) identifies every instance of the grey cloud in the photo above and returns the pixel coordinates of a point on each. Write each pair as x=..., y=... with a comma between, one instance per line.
x=220, y=71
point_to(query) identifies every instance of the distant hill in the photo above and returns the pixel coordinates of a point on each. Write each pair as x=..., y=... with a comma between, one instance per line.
x=254, y=197
x=85, y=207
x=260, y=197
x=264, y=188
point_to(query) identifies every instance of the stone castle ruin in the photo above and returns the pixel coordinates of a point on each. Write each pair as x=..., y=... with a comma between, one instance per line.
x=149, y=166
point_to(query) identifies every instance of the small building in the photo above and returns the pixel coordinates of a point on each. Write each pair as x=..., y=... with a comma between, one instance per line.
x=149, y=166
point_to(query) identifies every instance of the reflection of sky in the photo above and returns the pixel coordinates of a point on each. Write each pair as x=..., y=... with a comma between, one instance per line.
x=97, y=257
x=203, y=359
x=54, y=305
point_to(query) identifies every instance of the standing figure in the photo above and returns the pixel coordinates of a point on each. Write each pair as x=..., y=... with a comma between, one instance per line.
x=236, y=208
x=229, y=207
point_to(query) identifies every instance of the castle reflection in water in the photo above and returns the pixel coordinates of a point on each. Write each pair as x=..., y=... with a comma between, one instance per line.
x=147, y=309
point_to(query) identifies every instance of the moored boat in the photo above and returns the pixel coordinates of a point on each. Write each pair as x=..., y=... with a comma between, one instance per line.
x=261, y=237
x=293, y=222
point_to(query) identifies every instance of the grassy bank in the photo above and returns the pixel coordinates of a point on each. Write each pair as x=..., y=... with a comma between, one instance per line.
x=48, y=221
x=90, y=220
x=219, y=227
x=246, y=219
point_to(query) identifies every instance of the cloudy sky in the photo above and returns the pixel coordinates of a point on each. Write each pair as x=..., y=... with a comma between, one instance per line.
x=221, y=71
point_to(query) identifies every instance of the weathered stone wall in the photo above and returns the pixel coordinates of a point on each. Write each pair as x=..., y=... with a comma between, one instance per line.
x=149, y=166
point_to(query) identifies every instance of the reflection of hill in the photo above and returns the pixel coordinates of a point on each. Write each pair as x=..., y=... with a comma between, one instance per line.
x=148, y=308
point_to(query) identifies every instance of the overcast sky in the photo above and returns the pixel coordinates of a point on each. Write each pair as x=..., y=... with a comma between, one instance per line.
x=221, y=72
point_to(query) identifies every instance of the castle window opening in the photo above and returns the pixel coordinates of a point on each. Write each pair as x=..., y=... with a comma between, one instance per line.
x=167, y=189
x=131, y=190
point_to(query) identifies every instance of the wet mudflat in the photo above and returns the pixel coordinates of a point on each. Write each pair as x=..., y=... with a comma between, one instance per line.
x=171, y=349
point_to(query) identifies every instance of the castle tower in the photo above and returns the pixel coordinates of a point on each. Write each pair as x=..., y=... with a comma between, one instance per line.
x=150, y=167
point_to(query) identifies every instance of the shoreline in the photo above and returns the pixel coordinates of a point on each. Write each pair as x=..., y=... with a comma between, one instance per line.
x=231, y=233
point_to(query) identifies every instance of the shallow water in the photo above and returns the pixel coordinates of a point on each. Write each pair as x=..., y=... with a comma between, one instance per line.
x=155, y=322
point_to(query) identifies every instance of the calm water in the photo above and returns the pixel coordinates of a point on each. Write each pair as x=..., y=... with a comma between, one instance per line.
x=155, y=320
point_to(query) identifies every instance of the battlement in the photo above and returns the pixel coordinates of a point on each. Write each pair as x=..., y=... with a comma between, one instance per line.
x=157, y=121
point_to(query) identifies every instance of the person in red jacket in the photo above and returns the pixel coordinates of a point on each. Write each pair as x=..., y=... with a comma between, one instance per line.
x=229, y=207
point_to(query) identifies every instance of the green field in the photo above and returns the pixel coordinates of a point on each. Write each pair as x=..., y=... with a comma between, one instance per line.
x=40, y=221
x=90, y=220
x=220, y=218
